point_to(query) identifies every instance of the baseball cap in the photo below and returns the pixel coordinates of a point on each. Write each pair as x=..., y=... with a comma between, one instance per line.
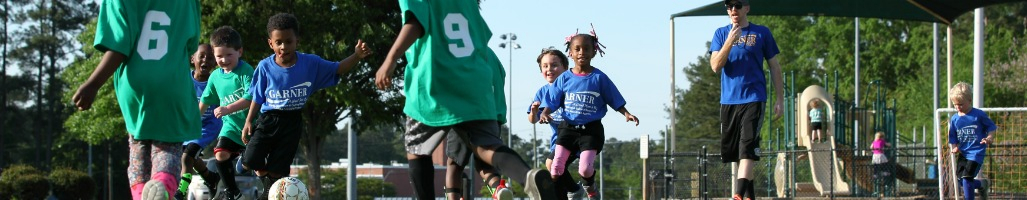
x=736, y=2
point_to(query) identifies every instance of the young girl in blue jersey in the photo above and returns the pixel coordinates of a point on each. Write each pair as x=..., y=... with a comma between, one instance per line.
x=970, y=133
x=552, y=63
x=583, y=93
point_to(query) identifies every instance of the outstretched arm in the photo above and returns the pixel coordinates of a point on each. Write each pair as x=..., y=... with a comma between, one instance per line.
x=86, y=93
x=232, y=108
x=410, y=32
x=631, y=118
x=360, y=52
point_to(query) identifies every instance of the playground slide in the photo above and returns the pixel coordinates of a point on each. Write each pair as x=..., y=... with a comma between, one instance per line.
x=821, y=160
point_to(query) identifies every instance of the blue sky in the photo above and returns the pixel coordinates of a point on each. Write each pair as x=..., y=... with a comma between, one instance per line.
x=637, y=34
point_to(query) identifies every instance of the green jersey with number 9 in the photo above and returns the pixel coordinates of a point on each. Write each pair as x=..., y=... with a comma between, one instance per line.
x=152, y=84
x=452, y=76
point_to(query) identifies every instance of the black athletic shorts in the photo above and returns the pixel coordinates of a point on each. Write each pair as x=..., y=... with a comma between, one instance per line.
x=740, y=131
x=966, y=168
x=275, y=139
x=577, y=138
x=817, y=125
x=227, y=145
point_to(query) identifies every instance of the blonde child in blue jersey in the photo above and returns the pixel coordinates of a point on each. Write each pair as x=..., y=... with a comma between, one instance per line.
x=970, y=133
x=147, y=45
x=583, y=92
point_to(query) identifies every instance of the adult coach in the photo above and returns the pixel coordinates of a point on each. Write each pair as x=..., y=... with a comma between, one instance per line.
x=738, y=51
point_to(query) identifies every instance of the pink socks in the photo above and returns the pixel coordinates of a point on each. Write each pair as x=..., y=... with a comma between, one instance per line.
x=560, y=156
x=170, y=184
x=585, y=167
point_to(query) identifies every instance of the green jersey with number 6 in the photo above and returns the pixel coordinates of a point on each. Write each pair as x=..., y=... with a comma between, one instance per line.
x=452, y=75
x=152, y=84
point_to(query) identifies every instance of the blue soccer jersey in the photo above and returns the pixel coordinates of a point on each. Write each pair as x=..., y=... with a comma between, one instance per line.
x=287, y=88
x=557, y=115
x=967, y=132
x=211, y=125
x=584, y=97
x=742, y=79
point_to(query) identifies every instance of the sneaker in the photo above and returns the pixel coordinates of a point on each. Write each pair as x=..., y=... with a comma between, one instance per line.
x=983, y=190
x=502, y=192
x=592, y=193
x=229, y=195
x=211, y=181
x=576, y=195
x=180, y=195
x=539, y=185
x=154, y=190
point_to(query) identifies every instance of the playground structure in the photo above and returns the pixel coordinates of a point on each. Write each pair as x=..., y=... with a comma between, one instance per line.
x=829, y=160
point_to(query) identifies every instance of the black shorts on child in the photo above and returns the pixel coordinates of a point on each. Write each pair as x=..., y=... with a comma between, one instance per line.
x=740, y=131
x=817, y=125
x=577, y=138
x=275, y=139
x=227, y=145
x=966, y=168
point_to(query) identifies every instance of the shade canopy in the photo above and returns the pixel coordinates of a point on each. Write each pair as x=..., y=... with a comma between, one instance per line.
x=940, y=11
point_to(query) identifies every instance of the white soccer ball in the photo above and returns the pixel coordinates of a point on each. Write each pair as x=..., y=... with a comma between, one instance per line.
x=288, y=188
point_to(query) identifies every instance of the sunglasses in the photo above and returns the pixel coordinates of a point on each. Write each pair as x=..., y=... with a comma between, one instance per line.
x=735, y=6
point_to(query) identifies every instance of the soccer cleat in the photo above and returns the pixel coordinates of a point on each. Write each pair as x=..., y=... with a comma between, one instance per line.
x=576, y=195
x=502, y=193
x=154, y=190
x=211, y=181
x=230, y=195
x=592, y=193
x=985, y=186
x=539, y=185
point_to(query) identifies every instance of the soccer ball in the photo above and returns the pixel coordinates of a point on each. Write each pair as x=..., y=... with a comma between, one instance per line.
x=288, y=188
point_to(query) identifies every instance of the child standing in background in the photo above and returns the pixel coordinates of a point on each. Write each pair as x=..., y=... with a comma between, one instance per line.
x=146, y=47
x=816, y=119
x=583, y=93
x=970, y=133
x=880, y=161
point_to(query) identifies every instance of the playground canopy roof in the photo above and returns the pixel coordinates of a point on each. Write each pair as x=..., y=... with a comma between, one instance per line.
x=940, y=11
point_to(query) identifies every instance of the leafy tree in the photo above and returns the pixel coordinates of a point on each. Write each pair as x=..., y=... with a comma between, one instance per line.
x=334, y=186
x=48, y=27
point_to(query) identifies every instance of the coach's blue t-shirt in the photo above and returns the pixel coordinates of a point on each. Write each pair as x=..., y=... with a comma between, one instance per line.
x=279, y=88
x=557, y=115
x=211, y=125
x=742, y=79
x=967, y=132
x=584, y=98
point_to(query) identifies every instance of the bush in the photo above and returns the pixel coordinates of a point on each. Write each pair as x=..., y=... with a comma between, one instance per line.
x=12, y=177
x=72, y=184
x=32, y=186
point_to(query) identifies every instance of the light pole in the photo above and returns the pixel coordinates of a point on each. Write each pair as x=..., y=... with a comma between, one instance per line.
x=385, y=180
x=509, y=43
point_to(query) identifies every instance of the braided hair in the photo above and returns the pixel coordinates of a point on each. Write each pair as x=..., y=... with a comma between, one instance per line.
x=591, y=37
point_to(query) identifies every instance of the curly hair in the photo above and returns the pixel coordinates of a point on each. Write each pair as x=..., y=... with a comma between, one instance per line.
x=283, y=21
x=226, y=36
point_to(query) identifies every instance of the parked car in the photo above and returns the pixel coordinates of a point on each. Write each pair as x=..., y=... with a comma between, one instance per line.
x=249, y=184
